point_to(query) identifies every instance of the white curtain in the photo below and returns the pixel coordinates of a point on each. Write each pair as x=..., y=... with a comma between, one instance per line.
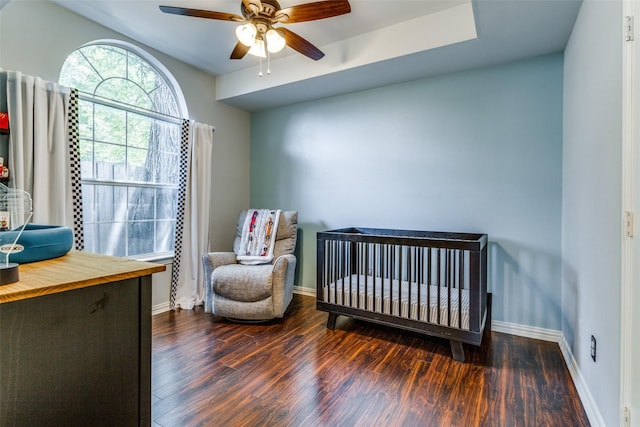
x=39, y=154
x=192, y=235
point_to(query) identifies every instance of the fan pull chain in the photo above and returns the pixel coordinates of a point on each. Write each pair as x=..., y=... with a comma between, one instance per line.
x=268, y=63
x=260, y=73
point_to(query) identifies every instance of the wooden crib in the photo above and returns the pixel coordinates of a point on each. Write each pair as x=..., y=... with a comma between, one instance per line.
x=428, y=282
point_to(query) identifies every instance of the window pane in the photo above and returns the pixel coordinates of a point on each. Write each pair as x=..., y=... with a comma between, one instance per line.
x=90, y=237
x=167, y=201
x=110, y=124
x=167, y=137
x=109, y=61
x=141, y=238
x=125, y=91
x=142, y=73
x=112, y=238
x=165, y=232
x=137, y=167
x=111, y=203
x=164, y=101
x=88, y=205
x=109, y=162
x=169, y=168
x=109, y=153
x=77, y=72
x=85, y=119
x=141, y=203
x=138, y=130
x=165, y=157
x=86, y=163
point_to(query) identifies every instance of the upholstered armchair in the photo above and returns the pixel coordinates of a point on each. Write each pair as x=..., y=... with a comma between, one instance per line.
x=252, y=292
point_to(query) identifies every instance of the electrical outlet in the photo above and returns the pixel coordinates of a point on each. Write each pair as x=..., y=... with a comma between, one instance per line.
x=593, y=348
x=626, y=417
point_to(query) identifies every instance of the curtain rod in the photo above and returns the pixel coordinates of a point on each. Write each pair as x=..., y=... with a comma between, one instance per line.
x=86, y=96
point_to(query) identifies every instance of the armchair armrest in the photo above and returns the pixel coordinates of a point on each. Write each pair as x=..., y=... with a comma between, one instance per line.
x=216, y=259
x=211, y=261
x=283, y=277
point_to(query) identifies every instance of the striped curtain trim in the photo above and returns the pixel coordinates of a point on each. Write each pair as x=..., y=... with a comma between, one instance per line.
x=74, y=153
x=182, y=192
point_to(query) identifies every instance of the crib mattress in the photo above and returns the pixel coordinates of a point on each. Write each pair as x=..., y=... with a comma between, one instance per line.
x=389, y=297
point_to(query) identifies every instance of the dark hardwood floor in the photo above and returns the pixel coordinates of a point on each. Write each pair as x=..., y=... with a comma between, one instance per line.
x=294, y=372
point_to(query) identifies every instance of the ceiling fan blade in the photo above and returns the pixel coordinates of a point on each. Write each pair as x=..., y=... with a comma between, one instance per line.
x=312, y=11
x=296, y=42
x=199, y=13
x=239, y=51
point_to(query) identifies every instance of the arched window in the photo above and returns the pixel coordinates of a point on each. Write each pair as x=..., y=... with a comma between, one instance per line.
x=130, y=128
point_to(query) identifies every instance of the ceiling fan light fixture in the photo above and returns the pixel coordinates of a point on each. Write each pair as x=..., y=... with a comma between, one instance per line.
x=258, y=49
x=275, y=41
x=246, y=34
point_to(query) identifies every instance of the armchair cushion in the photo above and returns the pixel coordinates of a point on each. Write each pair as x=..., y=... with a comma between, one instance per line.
x=247, y=283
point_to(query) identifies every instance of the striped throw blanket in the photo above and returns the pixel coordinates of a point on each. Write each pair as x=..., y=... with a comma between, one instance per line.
x=258, y=236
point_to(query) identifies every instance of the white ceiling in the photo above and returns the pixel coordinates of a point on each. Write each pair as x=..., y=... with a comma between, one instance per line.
x=380, y=42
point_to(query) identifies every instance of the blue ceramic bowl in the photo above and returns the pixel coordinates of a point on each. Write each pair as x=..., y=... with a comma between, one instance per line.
x=36, y=243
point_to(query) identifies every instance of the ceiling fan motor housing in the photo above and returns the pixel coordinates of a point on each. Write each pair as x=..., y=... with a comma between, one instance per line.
x=269, y=9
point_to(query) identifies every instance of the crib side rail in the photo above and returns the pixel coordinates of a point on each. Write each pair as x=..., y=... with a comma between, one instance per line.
x=433, y=239
x=418, y=282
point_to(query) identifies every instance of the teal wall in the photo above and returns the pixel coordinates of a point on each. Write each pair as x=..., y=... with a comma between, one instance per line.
x=477, y=151
x=592, y=202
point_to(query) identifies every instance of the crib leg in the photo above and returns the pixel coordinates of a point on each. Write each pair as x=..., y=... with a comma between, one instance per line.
x=331, y=321
x=457, y=350
x=487, y=326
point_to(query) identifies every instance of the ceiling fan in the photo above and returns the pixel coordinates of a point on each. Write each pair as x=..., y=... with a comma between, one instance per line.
x=257, y=34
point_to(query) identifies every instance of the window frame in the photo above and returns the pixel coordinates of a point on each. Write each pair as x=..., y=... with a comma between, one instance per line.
x=175, y=90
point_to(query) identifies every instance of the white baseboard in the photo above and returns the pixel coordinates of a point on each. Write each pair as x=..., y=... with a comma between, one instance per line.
x=590, y=406
x=160, y=308
x=304, y=291
x=527, y=331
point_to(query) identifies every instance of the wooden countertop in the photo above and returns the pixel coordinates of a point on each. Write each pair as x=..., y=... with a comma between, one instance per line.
x=75, y=270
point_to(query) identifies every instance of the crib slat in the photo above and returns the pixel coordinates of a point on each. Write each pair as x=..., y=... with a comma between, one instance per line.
x=383, y=272
x=447, y=286
x=419, y=266
x=460, y=285
x=452, y=284
x=342, y=287
x=327, y=268
x=410, y=278
x=474, y=289
x=332, y=255
x=439, y=283
x=414, y=279
x=429, y=279
x=332, y=260
x=319, y=271
x=393, y=277
x=343, y=261
x=366, y=275
x=373, y=275
x=401, y=278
